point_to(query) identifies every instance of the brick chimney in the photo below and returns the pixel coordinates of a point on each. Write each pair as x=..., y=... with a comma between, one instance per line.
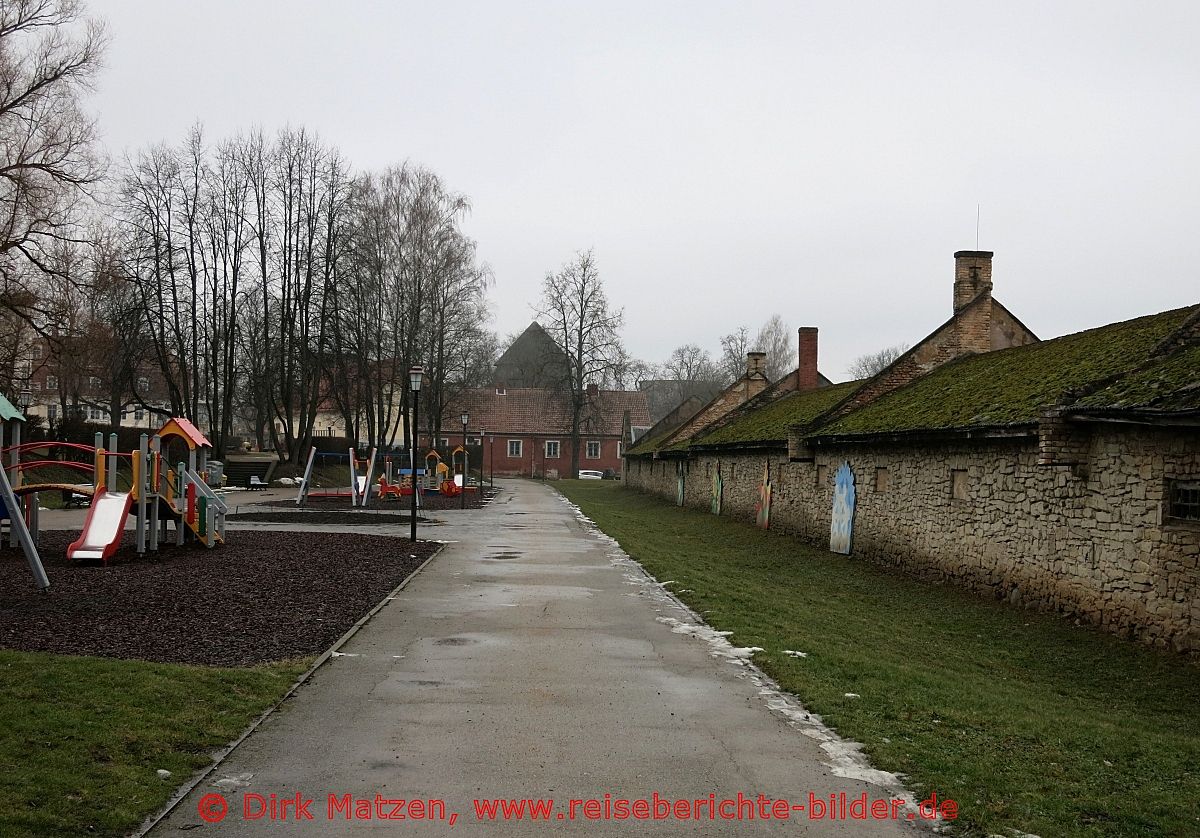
x=972, y=276
x=593, y=390
x=807, y=377
x=973, y=281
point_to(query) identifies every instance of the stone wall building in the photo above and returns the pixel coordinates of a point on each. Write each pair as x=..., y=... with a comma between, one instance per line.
x=1062, y=475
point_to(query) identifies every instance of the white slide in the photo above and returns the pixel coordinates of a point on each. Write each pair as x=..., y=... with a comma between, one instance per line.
x=104, y=528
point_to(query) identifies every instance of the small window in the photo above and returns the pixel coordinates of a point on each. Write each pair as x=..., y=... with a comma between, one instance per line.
x=514, y=448
x=93, y=382
x=143, y=384
x=959, y=487
x=499, y=391
x=552, y=449
x=52, y=382
x=822, y=475
x=1183, y=500
x=443, y=443
x=139, y=414
x=52, y=412
x=593, y=450
x=882, y=479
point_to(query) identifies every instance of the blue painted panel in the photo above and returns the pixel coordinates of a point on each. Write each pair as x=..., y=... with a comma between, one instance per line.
x=841, y=527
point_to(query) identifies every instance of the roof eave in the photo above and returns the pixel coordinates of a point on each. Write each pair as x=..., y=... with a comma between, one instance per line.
x=1015, y=431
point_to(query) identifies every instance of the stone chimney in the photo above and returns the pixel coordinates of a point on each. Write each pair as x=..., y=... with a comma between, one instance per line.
x=807, y=377
x=972, y=276
x=756, y=375
x=756, y=364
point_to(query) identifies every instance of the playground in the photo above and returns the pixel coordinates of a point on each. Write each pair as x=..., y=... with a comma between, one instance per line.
x=173, y=612
x=265, y=596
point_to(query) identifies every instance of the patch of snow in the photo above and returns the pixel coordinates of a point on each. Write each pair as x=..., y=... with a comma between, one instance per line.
x=792, y=653
x=852, y=695
x=163, y=773
x=345, y=654
x=234, y=781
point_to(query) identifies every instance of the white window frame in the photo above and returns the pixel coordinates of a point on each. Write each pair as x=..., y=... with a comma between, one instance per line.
x=520, y=449
x=557, y=449
x=52, y=382
x=588, y=449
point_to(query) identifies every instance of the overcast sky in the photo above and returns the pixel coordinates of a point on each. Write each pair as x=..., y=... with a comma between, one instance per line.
x=731, y=160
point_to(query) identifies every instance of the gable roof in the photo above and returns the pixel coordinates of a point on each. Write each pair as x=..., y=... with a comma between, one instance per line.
x=533, y=359
x=178, y=426
x=768, y=424
x=535, y=410
x=1010, y=387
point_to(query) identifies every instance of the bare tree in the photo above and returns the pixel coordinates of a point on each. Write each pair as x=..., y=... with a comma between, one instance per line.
x=775, y=338
x=578, y=318
x=48, y=56
x=866, y=366
x=734, y=347
x=690, y=363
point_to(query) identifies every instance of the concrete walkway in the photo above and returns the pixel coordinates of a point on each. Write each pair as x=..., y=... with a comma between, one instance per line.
x=528, y=660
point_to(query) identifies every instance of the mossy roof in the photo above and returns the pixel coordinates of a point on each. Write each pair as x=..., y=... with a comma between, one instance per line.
x=770, y=422
x=1169, y=383
x=648, y=444
x=1011, y=386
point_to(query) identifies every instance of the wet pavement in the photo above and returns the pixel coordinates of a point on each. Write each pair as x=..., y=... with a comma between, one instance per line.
x=532, y=659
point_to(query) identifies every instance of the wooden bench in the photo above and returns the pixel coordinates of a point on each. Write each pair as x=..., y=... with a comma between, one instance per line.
x=256, y=485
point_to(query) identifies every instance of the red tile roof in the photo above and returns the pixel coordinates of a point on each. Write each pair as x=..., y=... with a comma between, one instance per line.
x=528, y=410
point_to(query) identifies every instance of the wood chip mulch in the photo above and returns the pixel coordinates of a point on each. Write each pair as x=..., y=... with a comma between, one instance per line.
x=263, y=596
x=430, y=502
x=325, y=516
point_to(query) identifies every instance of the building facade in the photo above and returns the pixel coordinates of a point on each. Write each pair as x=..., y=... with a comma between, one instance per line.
x=1062, y=475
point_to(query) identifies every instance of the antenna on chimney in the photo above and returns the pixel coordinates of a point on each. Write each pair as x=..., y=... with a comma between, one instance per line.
x=977, y=226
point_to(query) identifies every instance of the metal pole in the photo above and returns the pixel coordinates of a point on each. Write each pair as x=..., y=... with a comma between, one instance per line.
x=492, y=447
x=415, y=435
x=463, y=495
x=16, y=522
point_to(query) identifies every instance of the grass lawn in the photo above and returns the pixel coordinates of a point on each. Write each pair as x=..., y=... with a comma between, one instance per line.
x=1025, y=720
x=82, y=738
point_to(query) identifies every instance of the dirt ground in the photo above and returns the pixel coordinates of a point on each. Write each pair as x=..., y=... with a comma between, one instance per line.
x=263, y=596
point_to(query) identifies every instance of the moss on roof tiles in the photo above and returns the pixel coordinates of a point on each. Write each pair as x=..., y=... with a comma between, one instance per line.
x=1168, y=383
x=647, y=445
x=770, y=423
x=1010, y=386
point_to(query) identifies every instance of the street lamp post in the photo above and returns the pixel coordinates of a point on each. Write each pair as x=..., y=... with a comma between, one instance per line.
x=414, y=386
x=492, y=473
x=466, y=417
